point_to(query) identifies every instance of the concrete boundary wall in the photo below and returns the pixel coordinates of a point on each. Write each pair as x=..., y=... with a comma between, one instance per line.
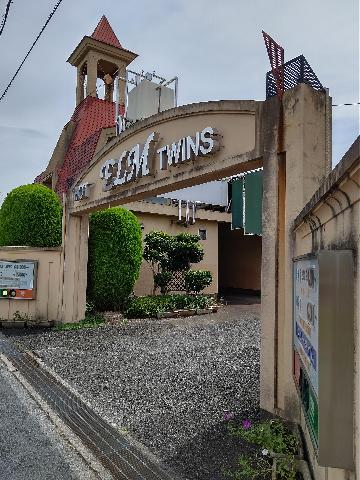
x=331, y=221
x=46, y=307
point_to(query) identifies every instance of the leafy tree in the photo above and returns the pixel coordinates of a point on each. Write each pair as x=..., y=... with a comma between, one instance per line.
x=161, y=280
x=156, y=250
x=115, y=255
x=184, y=251
x=197, y=280
x=166, y=254
x=31, y=216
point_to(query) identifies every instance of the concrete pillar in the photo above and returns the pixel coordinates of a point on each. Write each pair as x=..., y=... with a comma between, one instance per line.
x=91, y=76
x=109, y=89
x=121, y=84
x=292, y=173
x=75, y=256
x=80, y=85
x=269, y=262
x=307, y=163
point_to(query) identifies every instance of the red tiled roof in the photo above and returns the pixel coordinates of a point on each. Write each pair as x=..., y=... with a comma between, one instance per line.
x=104, y=33
x=90, y=117
x=40, y=177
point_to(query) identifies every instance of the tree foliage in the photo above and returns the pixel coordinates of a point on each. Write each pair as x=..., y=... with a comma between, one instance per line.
x=185, y=249
x=31, y=216
x=197, y=280
x=156, y=250
x=115, y=255
x=161, y=280
x=170, y=253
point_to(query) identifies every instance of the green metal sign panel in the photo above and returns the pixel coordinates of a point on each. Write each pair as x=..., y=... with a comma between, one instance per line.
x=237, y=203
x=310, y=404
x=253, y=202
x=313, y=414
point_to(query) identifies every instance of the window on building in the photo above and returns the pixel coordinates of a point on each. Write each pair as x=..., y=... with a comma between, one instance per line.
x=202, y=233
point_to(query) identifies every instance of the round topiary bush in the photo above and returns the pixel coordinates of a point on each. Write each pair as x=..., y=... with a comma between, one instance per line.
x=115, y=255
x=31, y=216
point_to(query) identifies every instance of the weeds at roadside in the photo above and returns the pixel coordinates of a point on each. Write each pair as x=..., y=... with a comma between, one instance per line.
x=276, y=449
x=90, y=321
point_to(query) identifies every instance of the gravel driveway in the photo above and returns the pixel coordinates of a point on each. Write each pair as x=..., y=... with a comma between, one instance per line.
x=167, y=382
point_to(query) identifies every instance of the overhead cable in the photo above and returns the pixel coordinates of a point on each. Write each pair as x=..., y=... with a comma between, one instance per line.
x=7, y=8
x=32, y=46
x=345, y=104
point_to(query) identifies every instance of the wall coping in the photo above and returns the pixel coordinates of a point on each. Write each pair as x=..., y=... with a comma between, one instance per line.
x=341, y=170
x=30, y=249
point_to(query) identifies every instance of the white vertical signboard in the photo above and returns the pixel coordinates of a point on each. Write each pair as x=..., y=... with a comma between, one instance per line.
x=306, y=317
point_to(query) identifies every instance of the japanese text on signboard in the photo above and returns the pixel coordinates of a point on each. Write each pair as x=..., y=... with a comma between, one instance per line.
x=306, y=307
x=17, y=279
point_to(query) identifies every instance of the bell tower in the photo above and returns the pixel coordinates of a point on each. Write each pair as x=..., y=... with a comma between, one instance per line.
x=100, y=56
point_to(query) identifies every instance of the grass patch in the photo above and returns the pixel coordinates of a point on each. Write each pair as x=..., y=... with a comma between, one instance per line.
x=90, y=321
x=151, y=305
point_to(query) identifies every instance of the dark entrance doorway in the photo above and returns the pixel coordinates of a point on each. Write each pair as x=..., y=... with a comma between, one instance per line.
x=239, y=265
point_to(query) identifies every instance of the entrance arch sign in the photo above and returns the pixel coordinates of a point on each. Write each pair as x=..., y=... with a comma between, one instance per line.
x=142, y=160
x=175, y=149
x=292, y=143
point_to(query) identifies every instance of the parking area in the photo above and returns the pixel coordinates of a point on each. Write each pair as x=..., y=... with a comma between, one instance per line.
x=166, y=382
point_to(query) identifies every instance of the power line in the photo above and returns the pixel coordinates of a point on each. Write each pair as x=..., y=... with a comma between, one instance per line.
x=345, y=104
x=7, y=8
x=32, y=46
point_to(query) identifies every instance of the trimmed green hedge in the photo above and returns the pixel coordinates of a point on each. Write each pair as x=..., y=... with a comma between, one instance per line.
x=151, y=305
x=115, y=255
x=31, y=216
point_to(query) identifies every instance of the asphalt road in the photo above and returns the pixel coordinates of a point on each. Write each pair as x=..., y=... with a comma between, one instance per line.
x=30, y=446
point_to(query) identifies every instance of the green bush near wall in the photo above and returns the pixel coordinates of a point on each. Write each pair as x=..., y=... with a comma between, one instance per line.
x=115, y=255
x=31, y=216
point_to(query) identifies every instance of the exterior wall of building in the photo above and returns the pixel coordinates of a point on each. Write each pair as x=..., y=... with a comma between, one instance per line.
x=46, y=307
x=331, y=221
x=239, y=259
x=168, y=224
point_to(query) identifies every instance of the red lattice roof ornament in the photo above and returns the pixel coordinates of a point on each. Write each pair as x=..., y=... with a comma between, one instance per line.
x=104, y=33
x=276, y=57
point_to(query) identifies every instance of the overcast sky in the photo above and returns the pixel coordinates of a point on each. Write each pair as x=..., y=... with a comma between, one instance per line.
x=215, y=47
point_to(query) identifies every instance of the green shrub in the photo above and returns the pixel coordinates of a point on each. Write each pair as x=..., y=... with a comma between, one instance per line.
x=166, y=253
x=157, y=248
x=115, y=254
x=150, y=306
x=31, y=216
x=185, y=249
x=161, y=280
x=197, y=280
